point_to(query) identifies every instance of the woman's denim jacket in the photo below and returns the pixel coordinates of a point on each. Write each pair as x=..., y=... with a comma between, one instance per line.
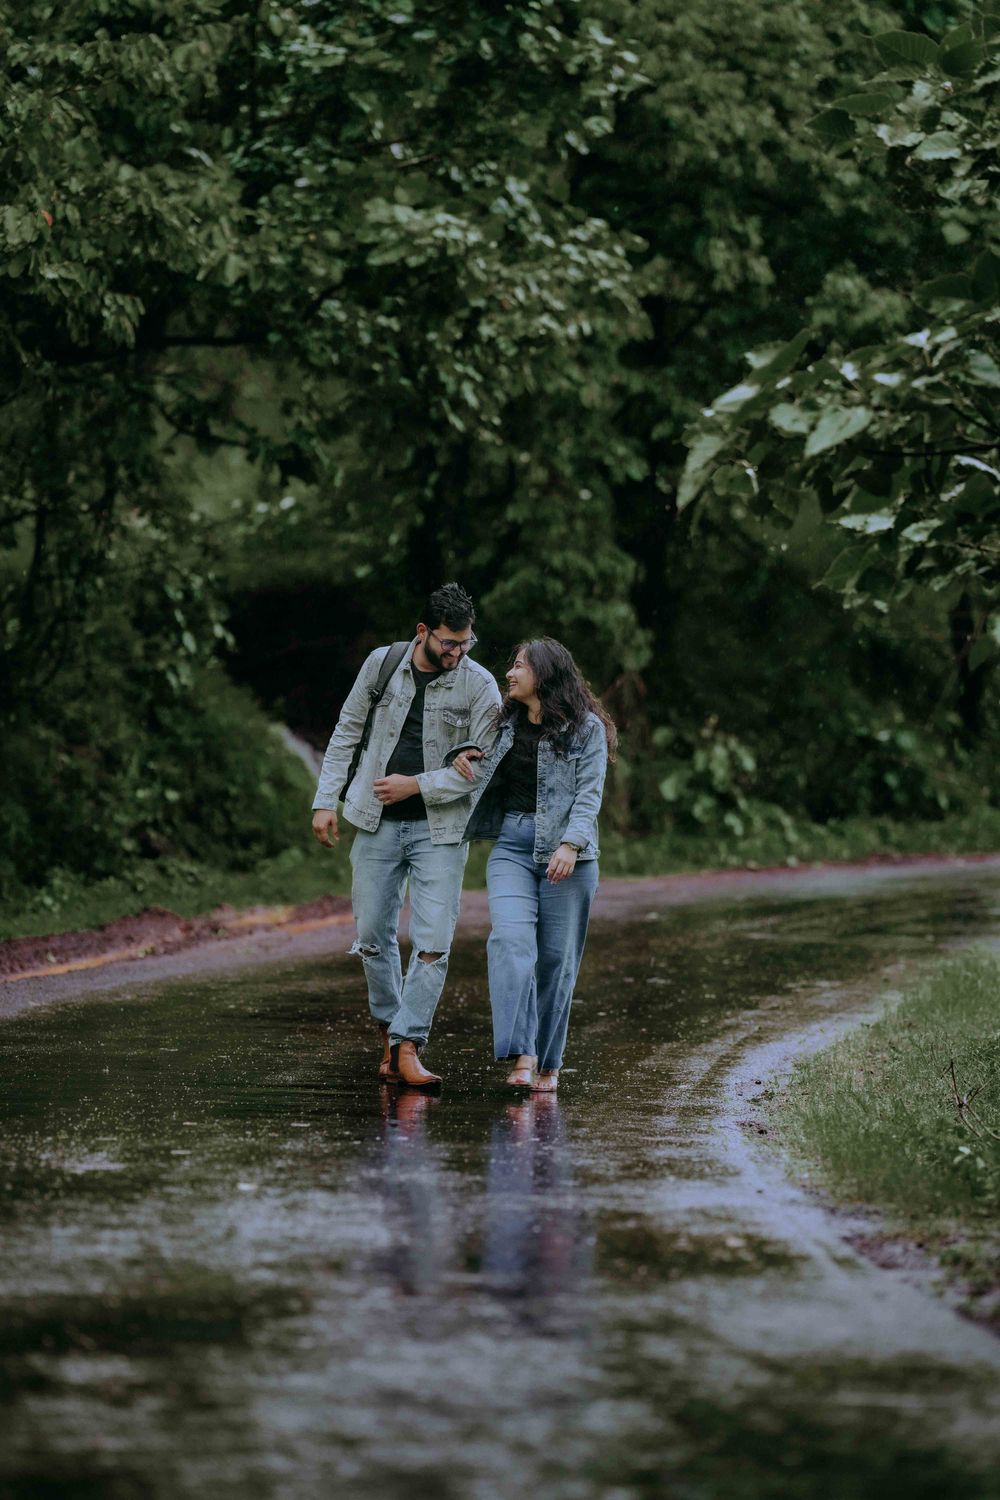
x=570, y=787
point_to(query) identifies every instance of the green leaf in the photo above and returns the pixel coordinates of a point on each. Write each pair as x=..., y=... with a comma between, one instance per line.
x=699, y=461
x=943, y=145
x=835, y=426
x=978, y=496
x=786, y=358
x=845, y=569
x=863, y=502
x=875, y=103
x=910, y=47
x=984, y=367
x=738, y=396
x=869, y=524
x=954, y=231
x=959, y=61
x=899, y=133
x=919, y=531
x=736, y=478
x=954, y=288
x=986, y=276
x=791, y=420
x=829, y=497
x=967, y=461
x=983, y=650
x=834, y=126
x=233, y=267
x=878, y=478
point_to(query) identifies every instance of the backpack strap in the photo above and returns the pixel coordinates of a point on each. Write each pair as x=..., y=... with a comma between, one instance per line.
x=390, y=662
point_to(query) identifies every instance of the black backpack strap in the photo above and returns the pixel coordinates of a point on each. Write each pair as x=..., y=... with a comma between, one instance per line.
x=390, y=662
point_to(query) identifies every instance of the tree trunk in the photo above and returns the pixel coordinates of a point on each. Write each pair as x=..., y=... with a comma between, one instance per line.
x=970, y=682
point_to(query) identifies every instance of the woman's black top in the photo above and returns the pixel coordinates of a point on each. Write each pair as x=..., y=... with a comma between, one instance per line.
x=518, y=770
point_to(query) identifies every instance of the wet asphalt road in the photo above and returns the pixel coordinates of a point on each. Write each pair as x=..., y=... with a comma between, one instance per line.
x=231, y=1264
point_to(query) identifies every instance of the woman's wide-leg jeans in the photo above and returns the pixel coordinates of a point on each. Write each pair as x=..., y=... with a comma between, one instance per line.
x=536, y=945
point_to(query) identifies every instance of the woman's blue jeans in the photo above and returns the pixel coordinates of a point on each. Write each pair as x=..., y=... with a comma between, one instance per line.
x=535, y=947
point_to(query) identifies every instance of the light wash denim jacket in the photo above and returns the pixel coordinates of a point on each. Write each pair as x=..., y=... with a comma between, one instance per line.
x=570, y=788
x=459, y=708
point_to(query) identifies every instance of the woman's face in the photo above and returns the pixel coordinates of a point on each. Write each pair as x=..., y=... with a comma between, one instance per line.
x=520, y=680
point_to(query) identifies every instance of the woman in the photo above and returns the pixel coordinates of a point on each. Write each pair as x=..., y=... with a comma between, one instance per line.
x=538, y=792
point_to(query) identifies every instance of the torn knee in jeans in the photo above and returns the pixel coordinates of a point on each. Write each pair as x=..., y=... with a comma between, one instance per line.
x=366, y=950
x=430, y=958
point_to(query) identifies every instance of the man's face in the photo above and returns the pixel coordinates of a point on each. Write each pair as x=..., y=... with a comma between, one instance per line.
x=443, y=645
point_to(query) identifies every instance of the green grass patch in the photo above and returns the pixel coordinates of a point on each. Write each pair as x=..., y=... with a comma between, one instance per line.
x=903, y=1116
x=792, y=844
x=68, y=903
x=795, y=843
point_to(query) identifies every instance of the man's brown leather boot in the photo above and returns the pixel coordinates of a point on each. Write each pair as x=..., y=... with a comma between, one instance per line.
x=387, y=1073
x=408, y=1067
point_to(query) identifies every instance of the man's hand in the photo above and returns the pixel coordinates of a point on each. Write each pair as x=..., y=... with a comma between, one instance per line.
x=562, y=863
x=325, y=826
x=395, y=788
x=463, y=763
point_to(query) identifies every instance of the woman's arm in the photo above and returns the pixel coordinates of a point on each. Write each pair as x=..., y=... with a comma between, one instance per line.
x=591, y=768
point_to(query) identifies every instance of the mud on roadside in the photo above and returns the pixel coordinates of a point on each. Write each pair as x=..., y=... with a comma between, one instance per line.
x=153, y=932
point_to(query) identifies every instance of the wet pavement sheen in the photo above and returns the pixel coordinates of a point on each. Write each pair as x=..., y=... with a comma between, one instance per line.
x=232, y=1264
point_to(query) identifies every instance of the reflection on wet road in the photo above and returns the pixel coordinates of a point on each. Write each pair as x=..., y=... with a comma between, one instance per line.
x=233, y=1265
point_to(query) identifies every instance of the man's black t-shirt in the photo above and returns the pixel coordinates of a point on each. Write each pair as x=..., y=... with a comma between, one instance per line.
x=408, y=757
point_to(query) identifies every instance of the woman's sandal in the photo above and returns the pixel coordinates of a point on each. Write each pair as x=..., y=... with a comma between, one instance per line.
x=546, y=1083
x=521, y=1077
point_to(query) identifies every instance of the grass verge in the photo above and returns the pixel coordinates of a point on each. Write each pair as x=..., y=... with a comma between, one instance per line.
x=69, y=903
x=903, y=1116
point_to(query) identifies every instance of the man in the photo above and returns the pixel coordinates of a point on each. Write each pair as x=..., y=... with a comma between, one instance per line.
x=410, y=814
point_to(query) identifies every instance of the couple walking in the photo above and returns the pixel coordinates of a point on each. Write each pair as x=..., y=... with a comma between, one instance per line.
x=426, y=756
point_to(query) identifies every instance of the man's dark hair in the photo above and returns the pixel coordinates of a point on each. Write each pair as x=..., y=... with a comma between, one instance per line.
x=449, y=605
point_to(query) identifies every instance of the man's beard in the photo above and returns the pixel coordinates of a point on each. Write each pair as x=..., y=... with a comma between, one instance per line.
x=436, y=660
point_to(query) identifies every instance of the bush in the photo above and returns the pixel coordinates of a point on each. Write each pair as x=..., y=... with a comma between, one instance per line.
x=116, y=776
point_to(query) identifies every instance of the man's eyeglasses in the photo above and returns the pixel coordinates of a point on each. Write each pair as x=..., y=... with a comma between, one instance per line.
x=448, y=645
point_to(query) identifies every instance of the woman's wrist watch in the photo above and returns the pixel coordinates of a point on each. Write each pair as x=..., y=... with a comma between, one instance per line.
x=576, y=848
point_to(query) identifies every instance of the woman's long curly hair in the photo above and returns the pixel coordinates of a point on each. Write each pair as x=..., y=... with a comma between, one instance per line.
x=564, y=694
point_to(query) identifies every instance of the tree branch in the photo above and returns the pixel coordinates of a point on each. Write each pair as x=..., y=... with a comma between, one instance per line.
x=201, y=435
x=931, y=452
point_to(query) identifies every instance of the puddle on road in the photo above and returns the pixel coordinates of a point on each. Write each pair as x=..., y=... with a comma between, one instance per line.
x=231, y=1264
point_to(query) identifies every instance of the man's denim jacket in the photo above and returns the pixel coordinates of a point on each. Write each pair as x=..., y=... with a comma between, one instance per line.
x=459, y=708
x=570, y=788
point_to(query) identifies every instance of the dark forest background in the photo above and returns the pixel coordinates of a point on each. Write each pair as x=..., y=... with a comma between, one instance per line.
x=306, y=308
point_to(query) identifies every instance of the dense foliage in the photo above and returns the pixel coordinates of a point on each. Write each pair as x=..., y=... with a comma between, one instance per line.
x=336, y=305
x=897, y=440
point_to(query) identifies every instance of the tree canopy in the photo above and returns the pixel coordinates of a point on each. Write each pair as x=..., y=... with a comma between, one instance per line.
x=896, y=439
x=365, y=299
